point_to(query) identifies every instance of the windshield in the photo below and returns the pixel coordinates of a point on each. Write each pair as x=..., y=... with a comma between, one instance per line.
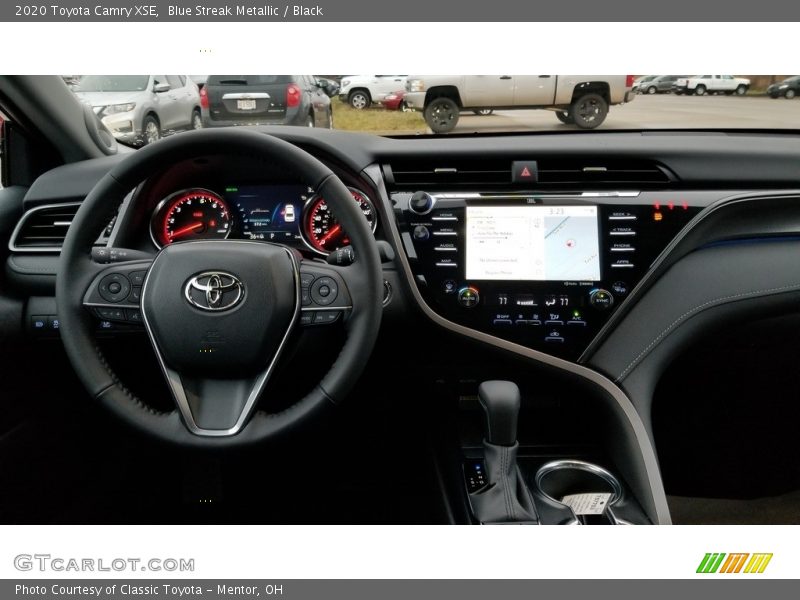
x=412, y=105
x=112, y=83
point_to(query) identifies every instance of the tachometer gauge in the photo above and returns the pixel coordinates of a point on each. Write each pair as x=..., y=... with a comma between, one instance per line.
x=322, y=232
x=194, y=214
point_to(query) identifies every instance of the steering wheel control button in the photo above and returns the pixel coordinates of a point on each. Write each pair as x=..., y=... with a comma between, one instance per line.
x=306, y=318
x=421, y=233
x=111, y=314
x=468, y=297
x=133, y=316
x=306, y=279
x=601, y=299
x=114, y=287
x=305, y=296
x=324, y=291
x=135, y=296
x=325, y=317
x=137, y=278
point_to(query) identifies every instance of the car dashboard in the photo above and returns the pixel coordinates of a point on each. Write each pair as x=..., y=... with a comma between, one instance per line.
x=597, y=256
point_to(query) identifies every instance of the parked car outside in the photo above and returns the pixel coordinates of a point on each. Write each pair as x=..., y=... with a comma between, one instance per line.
x=395, y=101
x=200, y=80
x=788, y=88
x=140, y=109
x=266, y=100
x=661, y=84
x=581, y=100
x=330, y=86
x=700, y=85
x=639, y=81
x=361, y=91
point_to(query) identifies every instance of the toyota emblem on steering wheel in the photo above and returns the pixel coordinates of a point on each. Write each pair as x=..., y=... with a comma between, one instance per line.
x=214, y=291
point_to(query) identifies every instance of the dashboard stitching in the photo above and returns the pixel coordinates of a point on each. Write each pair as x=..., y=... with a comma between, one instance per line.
x=716, y=301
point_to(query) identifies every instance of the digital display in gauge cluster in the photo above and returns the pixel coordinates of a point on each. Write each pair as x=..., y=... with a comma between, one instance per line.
x=269, y=213
x=281, y=213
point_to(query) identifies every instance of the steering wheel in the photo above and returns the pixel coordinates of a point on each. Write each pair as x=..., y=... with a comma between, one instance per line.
x=218, y=313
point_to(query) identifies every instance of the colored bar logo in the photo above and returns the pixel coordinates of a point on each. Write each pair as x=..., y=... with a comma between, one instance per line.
x=737, y=562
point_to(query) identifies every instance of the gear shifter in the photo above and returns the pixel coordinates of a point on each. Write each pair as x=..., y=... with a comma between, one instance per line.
x=500, y=401
x=505, y=498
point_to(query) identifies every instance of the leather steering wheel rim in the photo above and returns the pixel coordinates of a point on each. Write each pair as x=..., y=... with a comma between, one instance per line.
x=77, y=271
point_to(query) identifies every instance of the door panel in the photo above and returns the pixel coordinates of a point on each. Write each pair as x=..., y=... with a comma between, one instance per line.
x=534, y=90
x=488, y=90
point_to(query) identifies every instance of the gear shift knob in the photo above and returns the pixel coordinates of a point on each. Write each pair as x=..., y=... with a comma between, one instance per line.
x=500, y=401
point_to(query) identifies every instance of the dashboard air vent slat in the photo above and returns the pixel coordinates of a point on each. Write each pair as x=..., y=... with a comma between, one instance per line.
x=419, y=174
x=604, y=172
x=44, y=227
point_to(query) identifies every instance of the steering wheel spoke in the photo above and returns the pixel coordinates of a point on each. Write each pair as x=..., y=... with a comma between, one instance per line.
x=216, y=407
x=324, y=294
x=115, y=291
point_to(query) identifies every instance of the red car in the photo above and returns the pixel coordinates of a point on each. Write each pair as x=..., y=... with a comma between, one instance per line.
x=395, y=101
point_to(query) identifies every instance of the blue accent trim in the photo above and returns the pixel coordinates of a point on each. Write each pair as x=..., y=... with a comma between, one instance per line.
x=758, y=240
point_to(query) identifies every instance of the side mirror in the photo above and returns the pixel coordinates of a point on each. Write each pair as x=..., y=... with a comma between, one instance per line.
x=331, y=88
x=160, y=88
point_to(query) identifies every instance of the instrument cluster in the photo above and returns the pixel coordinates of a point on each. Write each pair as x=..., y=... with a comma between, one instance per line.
x=283, y=213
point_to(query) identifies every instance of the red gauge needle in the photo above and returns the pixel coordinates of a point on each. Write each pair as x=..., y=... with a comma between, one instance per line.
x=186, y=229
x=333, y=231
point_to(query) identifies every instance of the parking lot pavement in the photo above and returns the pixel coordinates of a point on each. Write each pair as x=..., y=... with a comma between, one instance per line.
x=665, y=111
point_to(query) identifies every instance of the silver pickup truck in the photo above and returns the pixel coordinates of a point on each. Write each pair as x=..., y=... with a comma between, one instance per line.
x=582, y=100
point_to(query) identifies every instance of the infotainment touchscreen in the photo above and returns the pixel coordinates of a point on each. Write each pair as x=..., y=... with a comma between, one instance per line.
x=532, y=243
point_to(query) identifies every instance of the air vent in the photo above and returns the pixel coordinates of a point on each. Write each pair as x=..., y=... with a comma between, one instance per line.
x=44, y=228
x=569, y=173
x=601, y=172
x=416, y=174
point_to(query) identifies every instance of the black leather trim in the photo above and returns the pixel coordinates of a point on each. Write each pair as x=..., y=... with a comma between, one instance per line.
x=706, y=289
x=506, y=498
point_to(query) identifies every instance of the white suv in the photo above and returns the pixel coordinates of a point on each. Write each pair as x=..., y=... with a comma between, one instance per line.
x=360, y=91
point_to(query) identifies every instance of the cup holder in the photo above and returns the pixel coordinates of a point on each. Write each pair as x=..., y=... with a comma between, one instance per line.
x=587, y=491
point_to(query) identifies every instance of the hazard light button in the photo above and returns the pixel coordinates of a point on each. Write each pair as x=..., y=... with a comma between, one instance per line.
x=524, y=171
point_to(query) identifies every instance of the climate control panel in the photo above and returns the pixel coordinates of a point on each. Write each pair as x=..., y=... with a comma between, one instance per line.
x=544, y=271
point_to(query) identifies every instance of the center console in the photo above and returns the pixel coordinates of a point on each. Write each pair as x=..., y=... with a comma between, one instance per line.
x=543, y=270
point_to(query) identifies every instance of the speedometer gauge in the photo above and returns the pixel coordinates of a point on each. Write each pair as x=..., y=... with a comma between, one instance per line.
x=194, y=214
x=322, y=231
